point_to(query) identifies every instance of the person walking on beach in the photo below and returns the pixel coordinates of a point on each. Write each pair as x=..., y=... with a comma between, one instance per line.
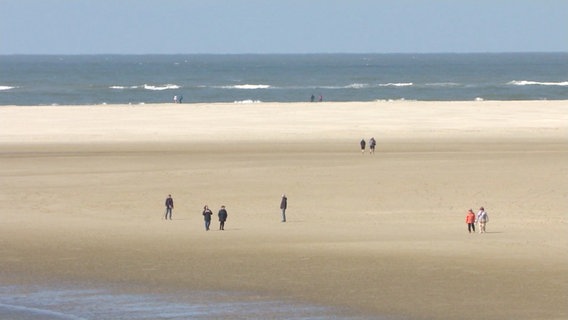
x=207, y=217
x=363, y=144
x=372, y=144
x=482, y=219
x=470, y=220
x=169, y=206
x=222, y=217
x=283, y=206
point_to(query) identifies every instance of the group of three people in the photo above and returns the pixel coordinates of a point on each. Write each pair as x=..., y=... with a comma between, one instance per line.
x=481, y=218
x=207, y=213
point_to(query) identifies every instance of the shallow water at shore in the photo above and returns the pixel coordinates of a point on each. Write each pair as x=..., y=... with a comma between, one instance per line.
x=25, y=303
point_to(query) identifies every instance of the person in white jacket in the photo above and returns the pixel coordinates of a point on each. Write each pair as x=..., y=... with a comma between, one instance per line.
x=482, y=219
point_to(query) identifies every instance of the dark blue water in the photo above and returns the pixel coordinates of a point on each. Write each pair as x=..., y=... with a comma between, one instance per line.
x=110, y=79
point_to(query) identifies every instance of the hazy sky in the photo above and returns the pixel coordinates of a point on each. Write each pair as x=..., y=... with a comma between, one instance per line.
x=281, y=26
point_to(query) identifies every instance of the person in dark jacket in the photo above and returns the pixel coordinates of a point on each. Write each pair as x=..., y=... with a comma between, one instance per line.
x=372, y=144
x=363, y=144
x=222, y=217
x=207, y=217
x=283, y=206
x=169, y=206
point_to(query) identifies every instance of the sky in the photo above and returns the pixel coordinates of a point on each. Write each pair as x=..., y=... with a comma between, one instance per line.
x=281, y=26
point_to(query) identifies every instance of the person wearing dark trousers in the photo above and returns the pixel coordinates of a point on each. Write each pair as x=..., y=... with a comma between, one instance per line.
x=283, y=206
x=372, y=144
x=169, y=206
x=470, y=220
x=222, y=217
x=207, y=217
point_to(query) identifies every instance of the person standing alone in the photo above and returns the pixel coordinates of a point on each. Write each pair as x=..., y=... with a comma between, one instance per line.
x=283, y=206
x=222, y=217
x=169, y=206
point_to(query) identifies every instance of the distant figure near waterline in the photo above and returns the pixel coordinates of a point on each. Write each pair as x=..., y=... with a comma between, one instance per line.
x=178, y=99
x=312, y=98
x=222, y=217
x=283, y=206
x=470, y=220
x=169, y=206
x=363, y=144
x=207, y=217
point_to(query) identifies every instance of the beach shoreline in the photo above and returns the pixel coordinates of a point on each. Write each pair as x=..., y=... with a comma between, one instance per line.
x=380, y=235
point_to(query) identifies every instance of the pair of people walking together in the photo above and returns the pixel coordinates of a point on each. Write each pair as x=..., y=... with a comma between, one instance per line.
x=222, y=214
x=481, y=218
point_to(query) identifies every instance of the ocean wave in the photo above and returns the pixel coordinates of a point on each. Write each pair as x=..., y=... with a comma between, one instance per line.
x=357, y=86
x=160, y=88
x=442, y=84
x=248, y=86
x=124, y=87
x=3, y=88
x=536, y=83
x=247, y=101
x=403, y=84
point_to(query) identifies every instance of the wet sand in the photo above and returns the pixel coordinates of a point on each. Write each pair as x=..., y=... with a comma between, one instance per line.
x=83, y=190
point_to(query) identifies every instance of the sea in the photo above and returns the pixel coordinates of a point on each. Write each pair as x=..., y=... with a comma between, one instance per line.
x=38, y=80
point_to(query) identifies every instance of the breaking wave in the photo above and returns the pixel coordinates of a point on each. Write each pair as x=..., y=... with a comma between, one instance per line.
x=403, y=84
x=366, y=85
x=3, y=88
x=536, y=83
x=147, y=87
x=247, y=101
x=162, y=87
x=357, y=86
x=248, y=86
x=123, y=87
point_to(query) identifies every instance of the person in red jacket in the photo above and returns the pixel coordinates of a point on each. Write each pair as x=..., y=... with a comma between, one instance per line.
x=470, y=220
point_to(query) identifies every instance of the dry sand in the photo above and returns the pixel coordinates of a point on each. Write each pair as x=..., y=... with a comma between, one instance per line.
x=83, y=187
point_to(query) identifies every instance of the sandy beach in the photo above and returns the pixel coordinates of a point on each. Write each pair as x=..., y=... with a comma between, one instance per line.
x=384, y=235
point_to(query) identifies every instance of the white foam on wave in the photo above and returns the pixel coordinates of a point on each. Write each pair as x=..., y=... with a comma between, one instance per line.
x=2, y=88
x=357, y=86
x=397, y=84
x=536, y=83
x=247, y=101
x=249, y=86
x=162, y=87
x=123, y=87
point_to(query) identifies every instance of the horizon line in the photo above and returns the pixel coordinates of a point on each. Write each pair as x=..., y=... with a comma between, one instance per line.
x=289, y=53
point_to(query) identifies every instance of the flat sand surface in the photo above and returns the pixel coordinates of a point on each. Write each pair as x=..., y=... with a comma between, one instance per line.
x=83, y=190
